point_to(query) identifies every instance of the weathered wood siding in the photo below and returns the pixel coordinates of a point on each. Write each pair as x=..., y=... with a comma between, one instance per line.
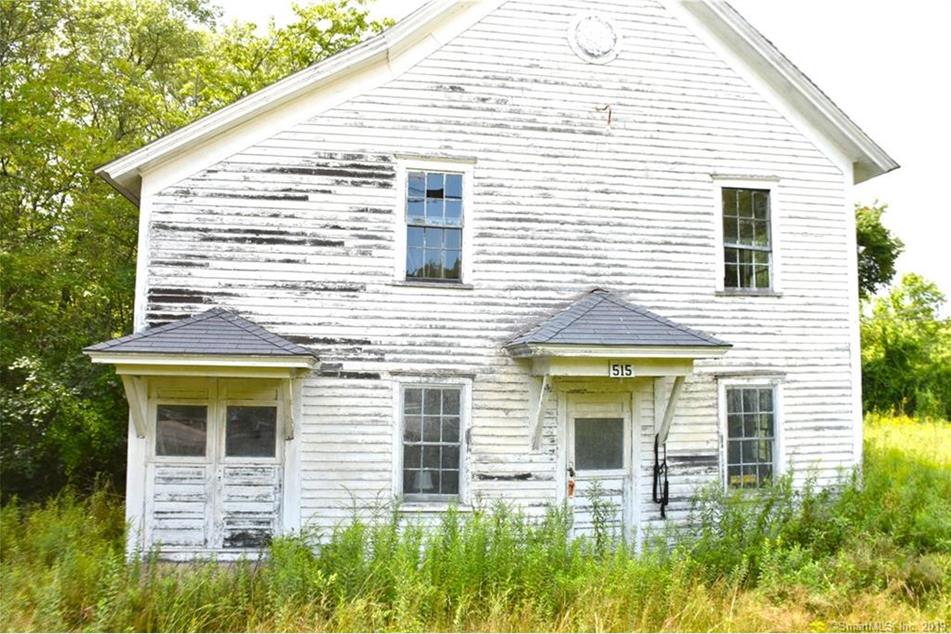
x=586, y=175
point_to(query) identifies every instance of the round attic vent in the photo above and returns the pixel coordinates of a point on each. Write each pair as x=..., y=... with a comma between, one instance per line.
x=593, y=38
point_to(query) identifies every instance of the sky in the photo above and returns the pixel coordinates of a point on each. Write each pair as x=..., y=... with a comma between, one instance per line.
x=884, y=62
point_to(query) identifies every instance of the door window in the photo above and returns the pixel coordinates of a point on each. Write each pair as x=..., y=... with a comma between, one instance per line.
x=180, y=430
x=599, y=444
x=251, y=431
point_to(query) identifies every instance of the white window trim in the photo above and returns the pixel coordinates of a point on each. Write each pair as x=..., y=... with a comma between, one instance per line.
x=779, y=457
x=465, y=400
x=464, y=166
x=771, y=184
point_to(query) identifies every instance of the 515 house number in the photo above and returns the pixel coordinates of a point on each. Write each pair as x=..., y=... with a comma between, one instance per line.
x=620, y=370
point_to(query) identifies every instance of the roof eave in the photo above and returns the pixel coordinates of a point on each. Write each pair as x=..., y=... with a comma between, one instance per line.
x=868, y=158
x=531, y=350
x=219, y=360
x=125, y=173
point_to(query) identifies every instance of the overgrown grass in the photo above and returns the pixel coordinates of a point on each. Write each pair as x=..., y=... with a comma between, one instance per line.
x=782, y=560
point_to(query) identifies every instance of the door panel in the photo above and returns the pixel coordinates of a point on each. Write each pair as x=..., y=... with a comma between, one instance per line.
x=599, y=451
x=249, y=507
x=177, y=516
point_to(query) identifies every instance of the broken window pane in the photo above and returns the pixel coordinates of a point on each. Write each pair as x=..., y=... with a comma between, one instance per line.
x=434, y=206
x=180, y=430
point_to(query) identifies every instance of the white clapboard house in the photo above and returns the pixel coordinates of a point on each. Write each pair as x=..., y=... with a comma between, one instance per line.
x=498, y=251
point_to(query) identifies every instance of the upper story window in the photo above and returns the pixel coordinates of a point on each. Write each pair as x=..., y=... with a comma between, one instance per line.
x=747, y=243
x=434, y=225
x=750, y=436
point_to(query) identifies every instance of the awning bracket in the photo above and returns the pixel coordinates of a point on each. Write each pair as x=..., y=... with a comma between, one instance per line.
x=136, y=392
x=538, y=415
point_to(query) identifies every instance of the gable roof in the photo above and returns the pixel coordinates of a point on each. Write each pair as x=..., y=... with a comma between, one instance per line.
x=125, y=173
x=216, y=332
x=600, y=318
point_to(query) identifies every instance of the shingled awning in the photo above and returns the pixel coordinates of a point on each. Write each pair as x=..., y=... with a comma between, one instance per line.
x=217, y=332
x=601, y=335
x=215, y=343
x=603, y=323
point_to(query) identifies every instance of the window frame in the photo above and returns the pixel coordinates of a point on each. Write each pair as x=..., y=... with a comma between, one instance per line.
x=752, y=382
x=464, y=385
x=771, y=185
x=463, y=166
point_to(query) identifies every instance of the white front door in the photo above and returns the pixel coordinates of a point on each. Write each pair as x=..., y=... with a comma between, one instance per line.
x=215, y=466
x=599, y=452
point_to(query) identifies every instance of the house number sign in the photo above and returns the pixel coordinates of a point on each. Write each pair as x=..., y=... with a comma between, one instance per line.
x=617, y=370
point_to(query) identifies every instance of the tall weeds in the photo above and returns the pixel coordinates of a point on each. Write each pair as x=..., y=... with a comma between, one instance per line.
x=782, y=559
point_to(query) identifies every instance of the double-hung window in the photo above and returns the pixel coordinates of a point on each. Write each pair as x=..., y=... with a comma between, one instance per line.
x=747, y=242
x=432, y=437
x=750, y=435
x=434, y=225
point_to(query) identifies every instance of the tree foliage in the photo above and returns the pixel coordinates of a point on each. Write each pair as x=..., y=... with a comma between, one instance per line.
x=83, y=82
x=878, y=249
x=906, y=351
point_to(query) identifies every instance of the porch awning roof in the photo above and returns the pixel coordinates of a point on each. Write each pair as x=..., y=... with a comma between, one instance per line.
x=217, y=337
x=600, y=323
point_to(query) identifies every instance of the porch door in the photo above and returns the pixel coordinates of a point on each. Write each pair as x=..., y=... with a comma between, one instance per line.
x=599, y=453
x=248, y=475
x=216, y=466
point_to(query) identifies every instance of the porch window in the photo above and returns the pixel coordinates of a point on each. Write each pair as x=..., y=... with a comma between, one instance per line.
x=747, y=249
x=432, y=441
x=181, y=430
x=751, y=437
x=434, y=219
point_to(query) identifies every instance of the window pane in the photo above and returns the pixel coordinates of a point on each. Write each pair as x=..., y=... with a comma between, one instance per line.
x=453, y=185
x=180, y=430
x=729, y=201
x=746, y=276
x=734, y=401
x=766, y=400
x=416, y=185
x=733, y=452
x=735, y=425
x=760, y=234
x=414, y=263
x=434, y=210
x=415, y=211
x=761, y=204
x=431, y=426
x=749, y=425
x=413, y=401
x=450, y=457
x=750, y=400
x=450, y=402
x=454, y=212
x=431, y=457
x=251, y=431
x=746, y=232
x=761, y=276
x=765, y=474
x=731, y=277
x=450, y=483
x=432, y=403
x=599, y=443
x=414, y=237
x=730, y=231
x=744, y=203
x=412, y=428
x=435, y=182
x=412, y=456
x=432, y=267
x=452, y=265
x=734, y=476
